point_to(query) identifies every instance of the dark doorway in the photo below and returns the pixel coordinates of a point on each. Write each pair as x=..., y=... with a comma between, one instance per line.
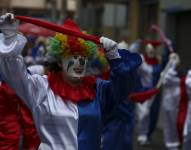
x=179, y=30
x=183, y=38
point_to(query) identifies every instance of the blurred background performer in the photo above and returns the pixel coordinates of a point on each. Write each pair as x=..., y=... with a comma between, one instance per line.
x=149, y=72
x=186, y=144
x=170, y=102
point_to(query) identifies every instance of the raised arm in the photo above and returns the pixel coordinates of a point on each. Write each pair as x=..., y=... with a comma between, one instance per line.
x=121, y=61
x=169, y=75
x=122, y=74
x=12, y=68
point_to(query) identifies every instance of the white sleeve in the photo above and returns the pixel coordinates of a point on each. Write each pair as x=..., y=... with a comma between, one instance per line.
x=30, y=88
x=111, y=48
x=170, y=78
x=188, y=83
x=36, y=69
x=144, y=69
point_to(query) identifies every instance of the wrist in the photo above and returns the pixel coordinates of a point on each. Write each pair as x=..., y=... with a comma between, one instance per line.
x=112, y=54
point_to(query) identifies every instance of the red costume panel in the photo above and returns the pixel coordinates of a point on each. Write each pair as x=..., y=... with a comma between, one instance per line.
x=15, y=121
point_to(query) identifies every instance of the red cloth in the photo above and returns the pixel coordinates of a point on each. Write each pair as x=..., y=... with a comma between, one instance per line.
x=141, y=97
x=150, y=61
x=15, y=119
x=183, y=106
x=31, y=139
x=84, y=92
x=105, y=75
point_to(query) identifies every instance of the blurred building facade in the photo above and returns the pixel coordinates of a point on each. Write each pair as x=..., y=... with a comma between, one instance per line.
x=175, y=17
x=105, y=17
x=52, y=10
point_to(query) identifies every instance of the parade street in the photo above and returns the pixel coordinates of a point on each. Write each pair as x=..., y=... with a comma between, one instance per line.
x=155, y=144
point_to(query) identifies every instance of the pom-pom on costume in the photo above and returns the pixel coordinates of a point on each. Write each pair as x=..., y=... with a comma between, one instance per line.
x=64, y=122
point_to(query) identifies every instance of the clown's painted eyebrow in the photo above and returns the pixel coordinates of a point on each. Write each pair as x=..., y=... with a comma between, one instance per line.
x=76, y=56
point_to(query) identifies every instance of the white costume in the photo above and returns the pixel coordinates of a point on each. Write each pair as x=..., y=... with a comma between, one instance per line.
x=40, y=99
x=37, y=69
x=187, y=127
x=123, y=45
x=146, y=72
x=170, y=105
x=149, y=72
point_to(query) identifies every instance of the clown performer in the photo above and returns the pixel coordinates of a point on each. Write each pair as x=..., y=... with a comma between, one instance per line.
x=16, y=122
x=149, y=72
x=69, y=104
x=170, y=102
x=187, y=126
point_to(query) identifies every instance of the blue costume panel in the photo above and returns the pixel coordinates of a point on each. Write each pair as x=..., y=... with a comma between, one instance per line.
x=118, y=127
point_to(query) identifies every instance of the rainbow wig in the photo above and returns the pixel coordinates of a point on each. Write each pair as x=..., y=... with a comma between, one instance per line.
x=64, y=46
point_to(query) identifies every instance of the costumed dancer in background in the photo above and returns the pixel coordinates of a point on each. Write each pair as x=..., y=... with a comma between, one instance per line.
x=187, y=127
x=135, y=46
x=123, y=44
x=68, y=105
x=17, y=129
x=172, y=94
x=149, y=73
x=118, y=130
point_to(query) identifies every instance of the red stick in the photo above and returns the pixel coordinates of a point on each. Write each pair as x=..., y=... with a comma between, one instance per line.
x=163, y=37
x=58, y=28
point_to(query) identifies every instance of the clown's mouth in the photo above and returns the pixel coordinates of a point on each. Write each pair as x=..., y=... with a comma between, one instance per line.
x=78, y=70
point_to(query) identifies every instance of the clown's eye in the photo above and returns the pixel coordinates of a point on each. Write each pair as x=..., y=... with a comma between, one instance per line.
x=82, y=61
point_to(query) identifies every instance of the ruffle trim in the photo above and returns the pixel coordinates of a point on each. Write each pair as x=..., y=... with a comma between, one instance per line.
x=84, y=92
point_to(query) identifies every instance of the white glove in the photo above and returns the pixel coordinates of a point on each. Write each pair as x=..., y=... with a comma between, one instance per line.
x=135, y=46
x=7, y=15
x=110, y=47
x=9, y=27
x=174, y=57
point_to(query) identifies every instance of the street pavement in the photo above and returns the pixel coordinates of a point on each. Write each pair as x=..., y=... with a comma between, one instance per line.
x=156, y=142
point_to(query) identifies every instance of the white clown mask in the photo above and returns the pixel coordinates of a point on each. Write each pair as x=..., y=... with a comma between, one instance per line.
x=75, y=66
x=150, y=51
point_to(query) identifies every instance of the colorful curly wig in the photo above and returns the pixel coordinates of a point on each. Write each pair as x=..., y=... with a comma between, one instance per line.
x=64, y=46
